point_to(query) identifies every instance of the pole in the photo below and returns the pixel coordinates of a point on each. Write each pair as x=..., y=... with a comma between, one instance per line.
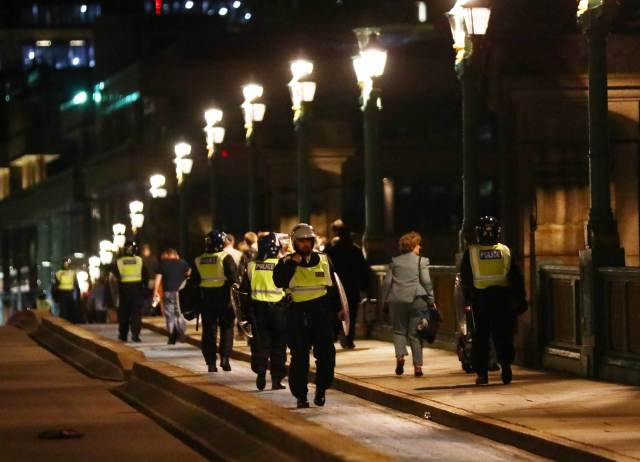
x=468, y=81
x=304, y=177
x=253, y=178
x=184, y=218
x=212, y=190
x=374, y=213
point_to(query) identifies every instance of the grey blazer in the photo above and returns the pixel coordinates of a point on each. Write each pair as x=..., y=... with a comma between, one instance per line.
x=403, y=283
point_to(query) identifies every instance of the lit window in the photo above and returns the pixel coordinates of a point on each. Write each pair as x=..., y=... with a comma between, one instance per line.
x=247, y=16
x=83, y=9
x=422, y=11
x=76, y=43
x=237, y=4
x=43, y=43
x=188, y=5
x=32, y=55
x=223, y=11
x=75, y=61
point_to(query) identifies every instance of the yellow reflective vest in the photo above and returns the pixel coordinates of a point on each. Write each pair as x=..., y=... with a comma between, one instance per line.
x=66, y=279
x=130, y=269
x=490, y=265
x=211, y=269
x=263, y=289
x=309, y=283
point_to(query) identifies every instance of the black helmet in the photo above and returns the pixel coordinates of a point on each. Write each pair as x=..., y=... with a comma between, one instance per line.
x=130, y=248
x=488, y=230
x=214, y=241
x=268, y=246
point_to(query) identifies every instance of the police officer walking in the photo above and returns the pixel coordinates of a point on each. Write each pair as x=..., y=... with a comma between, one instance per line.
x=267, y=314
x=215, y=272
x=493, y=287
x=132, y=278
x=65, y=291
x=308, y=276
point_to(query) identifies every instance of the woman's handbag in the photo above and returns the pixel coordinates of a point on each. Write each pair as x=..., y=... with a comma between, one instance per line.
x=429, y=323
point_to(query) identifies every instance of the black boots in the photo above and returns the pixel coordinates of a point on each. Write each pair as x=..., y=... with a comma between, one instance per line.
x=302, y=403
x=276, y=385
x=319, y=399
x=399, y=366
x=224, y=363
x=261, y=382
x=482, y=379
x=506, y=375
x=212, y=367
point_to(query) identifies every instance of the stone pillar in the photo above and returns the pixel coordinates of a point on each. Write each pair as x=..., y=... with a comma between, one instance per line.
x=304, y=174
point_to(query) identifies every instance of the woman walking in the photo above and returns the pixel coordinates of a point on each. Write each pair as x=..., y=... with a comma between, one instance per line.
x=409, y=291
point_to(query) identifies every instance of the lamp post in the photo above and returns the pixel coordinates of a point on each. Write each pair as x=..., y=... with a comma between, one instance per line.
x=302, y=90
x=157, y=190
x=253, y=109
x=137, y=217
x=106, y=252
x=119, y=237
x=184, y=164
x=369, y=66
x=469, y=20
x=215, y=135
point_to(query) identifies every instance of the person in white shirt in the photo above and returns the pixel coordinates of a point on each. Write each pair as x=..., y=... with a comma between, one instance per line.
x=230, y=248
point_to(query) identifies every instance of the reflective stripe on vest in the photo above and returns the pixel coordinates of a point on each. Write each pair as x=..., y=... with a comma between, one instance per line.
x=130, y=269
x=312, y=282
x=263, y=289
x=66, y=279
x=211, y=269
x=490, y=265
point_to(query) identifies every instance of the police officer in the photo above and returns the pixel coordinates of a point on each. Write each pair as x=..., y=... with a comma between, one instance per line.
x=66, y=290
x=493, y=287
x=308, y=276
x=266, y=313
x=215, y=272
x=132, y=277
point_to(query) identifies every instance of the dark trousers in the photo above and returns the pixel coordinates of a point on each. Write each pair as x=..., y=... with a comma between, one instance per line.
x=268, y=345
x=354, y=303
x=493, y=320
x=68, y=305
x=311, y=324
x=130, y=309
x=216, y=311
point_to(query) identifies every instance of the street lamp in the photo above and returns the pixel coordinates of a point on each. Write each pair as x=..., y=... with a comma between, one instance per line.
x=106, y=252
x=119, y=237
x=469, y=20
x=302, y=90
x=137, y=217
x=184, y=164
x=215, y=135
x=157, y=189
x=253, y=109
x=369, y=66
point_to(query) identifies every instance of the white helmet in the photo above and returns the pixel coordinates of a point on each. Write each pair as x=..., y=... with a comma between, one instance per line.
x=303, y=231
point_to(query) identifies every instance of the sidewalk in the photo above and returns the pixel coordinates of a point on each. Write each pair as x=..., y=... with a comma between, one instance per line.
x=40, y=392
x=600, y=418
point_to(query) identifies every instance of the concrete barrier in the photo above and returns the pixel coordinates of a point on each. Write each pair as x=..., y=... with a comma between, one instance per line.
x=96, y=356
x=229, y=424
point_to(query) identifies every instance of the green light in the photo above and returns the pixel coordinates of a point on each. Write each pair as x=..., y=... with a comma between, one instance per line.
x=80, y=98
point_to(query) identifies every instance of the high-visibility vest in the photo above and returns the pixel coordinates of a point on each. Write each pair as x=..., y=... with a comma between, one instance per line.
x=211, y=269
x=66, y=279
x=263, y=289
x=309, y=283
x=130, y=269
x=490, y=265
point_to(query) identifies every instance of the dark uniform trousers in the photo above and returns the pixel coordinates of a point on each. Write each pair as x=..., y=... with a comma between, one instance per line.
x=130, y=309
x=353, y=298
x=268, y=345
x=494, y=319
x=68, y=305
x=216, y=311
x=311, y=324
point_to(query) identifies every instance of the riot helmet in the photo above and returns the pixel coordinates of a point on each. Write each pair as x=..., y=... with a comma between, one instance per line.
x=302, y=231
x=214, y=241
x=268, y=246
x=130, y=248
x=488, y=230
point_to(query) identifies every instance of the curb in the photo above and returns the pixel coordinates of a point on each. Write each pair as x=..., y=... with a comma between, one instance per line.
x=190, y=405
x=94, y=355
x=533, y=441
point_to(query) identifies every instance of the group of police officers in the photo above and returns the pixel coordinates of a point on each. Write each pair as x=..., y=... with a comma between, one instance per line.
x=293, y=300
